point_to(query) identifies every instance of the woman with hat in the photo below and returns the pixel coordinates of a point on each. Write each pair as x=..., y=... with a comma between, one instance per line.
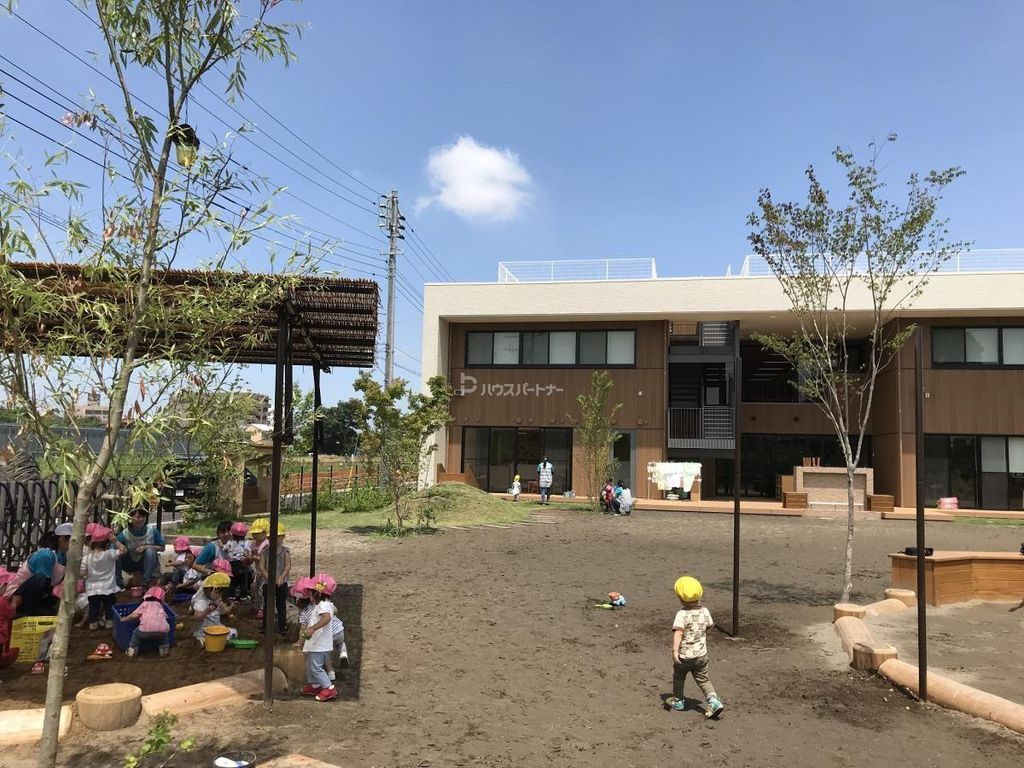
x=43, y=570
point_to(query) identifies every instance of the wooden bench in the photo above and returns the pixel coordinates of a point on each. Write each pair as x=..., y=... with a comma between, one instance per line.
x=956, y=577
x=880, y=502
x=793, y=500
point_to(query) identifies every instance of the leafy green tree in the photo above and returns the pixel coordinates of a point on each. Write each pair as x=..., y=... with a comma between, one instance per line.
x=595, y=435
x=303, y=415
x=847, y=270
x=340, y=435
x=116, y=328
x=397, y=427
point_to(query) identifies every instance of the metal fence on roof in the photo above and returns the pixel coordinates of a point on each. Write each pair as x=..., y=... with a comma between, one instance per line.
x=576, y=270
x=979, y=260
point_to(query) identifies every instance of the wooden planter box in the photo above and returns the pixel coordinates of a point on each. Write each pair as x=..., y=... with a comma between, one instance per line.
x=794, y=500
x=880, y=502
x=956, y=577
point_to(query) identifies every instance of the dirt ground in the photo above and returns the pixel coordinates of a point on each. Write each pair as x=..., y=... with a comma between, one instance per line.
x=482, y=647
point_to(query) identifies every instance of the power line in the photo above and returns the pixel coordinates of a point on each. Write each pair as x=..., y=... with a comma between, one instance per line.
x=436, y=261
x=160, y=112
x=68, y=106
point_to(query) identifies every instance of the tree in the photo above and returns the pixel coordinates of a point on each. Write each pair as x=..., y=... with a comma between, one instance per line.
x=396, y=428
x=340, y=437
x=595, y=435
x=113, y=326
x=303, y=414
x=847, y=270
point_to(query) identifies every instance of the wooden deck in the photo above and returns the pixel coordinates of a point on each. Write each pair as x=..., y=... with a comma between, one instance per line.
x=949, y=515
x=747, y=506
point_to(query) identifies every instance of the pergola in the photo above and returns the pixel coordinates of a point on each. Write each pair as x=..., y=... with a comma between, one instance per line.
x=322, y=322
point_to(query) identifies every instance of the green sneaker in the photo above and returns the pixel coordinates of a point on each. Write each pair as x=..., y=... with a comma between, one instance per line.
x=715, y=708
x=675, y=703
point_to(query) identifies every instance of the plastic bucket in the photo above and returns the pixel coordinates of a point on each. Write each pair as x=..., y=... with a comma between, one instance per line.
x=236, y=760
x=216, y=638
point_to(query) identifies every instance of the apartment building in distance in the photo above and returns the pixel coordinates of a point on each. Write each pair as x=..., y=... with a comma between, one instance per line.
x=518, y=351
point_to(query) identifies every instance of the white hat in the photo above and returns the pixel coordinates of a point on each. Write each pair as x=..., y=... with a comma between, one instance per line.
x=64, y=529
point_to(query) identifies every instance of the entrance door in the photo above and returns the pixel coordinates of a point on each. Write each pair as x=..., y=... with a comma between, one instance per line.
x=624, y=450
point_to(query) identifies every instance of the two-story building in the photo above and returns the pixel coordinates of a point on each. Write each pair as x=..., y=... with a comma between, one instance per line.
x=520, y=350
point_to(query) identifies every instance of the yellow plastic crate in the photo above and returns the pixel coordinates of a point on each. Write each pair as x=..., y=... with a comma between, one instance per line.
x=28, y=634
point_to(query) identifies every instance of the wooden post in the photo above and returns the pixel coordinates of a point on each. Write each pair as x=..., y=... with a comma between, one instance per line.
x=922, y=602
x=737, y=386
x=317, y=426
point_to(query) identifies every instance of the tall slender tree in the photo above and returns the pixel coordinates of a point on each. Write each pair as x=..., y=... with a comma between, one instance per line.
x=847, y=270
x=115, y=327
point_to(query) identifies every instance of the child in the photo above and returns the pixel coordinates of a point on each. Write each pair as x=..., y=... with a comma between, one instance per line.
x=208, y=606
x=689, y=647
x=237, y=552
x=152, y=620
x=213, y=550
x=183, y=575
x=319, y=642
x=259, y=530
x=301, y=594
x=623, y=499
x=606, y=496
x=517, y=488
x=280, y=590
x=100, y=566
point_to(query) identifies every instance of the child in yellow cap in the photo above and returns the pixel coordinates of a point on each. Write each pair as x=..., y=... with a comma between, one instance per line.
x=689, y=647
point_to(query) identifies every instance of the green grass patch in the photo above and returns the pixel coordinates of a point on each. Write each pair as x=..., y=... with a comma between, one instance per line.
x=990, y=521
x=451, y=503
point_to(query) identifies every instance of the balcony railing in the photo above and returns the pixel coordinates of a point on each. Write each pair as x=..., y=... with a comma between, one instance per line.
x=714, y=337
x=708, y=427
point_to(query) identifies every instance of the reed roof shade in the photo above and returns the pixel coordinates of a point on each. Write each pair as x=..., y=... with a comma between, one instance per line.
x=333, y=320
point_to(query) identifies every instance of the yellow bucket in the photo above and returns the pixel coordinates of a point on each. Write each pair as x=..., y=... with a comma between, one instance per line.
x=216, y=638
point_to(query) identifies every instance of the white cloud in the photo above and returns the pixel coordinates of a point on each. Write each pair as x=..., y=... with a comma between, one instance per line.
x=475, y=181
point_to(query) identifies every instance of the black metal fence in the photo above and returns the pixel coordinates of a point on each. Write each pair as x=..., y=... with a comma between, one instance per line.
x=28, y=509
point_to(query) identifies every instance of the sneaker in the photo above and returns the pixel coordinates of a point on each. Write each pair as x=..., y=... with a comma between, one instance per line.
x=93, y=626
x=715, y=707
x=673, y=702
x=311, y=690
x=332, y=675
x=326, y=694
x=343, y=658
x=164, y=650
x=104, y=624
x=131, y=652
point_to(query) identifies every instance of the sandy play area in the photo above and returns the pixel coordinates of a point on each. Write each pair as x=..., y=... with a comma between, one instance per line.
x=482, y=647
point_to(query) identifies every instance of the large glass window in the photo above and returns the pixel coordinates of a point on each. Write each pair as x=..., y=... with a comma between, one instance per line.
x=982, y=345
x=977, y=346
x=936, y=468
x=1013, y=346
x=621, y=347
x=495, y=454
x=948, y=345
x=593, y=348
x=479, y=348
x=993, y=472
x=535, y=348
x=1015, y=453
x=550, y=348
x=562, y=345
x=506, y=348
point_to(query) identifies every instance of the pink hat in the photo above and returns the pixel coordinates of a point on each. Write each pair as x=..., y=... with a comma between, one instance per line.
x=90, y=528
x=300, y=588
x=181, y=544
x=154, y=593
x=239, y=529
x=323, y=583
x=222, y=565
x=100, y=533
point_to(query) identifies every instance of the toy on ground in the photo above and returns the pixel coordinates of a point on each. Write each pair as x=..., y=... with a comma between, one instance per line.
x=243, y=644
x=103, y=652
x=616, y=599
x=688, y=589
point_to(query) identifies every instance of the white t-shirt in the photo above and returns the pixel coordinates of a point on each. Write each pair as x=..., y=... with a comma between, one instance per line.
x=322, y=639
x=100, y=572
x=694, y=623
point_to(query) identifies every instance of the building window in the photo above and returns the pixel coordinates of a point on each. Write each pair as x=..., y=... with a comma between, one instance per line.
x=977, y=347
x=562, y=347
x=535, y=348
x=982, y=471
x=494, y=455
x=550, y=348
x=479, y=348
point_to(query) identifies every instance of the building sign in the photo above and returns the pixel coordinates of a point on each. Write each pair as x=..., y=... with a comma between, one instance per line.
x=469, y=385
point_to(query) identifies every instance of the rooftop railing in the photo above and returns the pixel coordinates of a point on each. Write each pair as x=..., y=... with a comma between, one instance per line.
x=576, y=270
x=981, y=260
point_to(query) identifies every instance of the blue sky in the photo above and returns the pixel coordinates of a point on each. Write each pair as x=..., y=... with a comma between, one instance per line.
x=537, y=130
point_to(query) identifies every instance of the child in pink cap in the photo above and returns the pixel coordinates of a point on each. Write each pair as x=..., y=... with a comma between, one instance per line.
x=152, y=618
x=100, y=568
x=238, y=552
x=183, y=575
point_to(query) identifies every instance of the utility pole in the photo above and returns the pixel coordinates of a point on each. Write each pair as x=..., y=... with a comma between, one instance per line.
x=393, y=222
